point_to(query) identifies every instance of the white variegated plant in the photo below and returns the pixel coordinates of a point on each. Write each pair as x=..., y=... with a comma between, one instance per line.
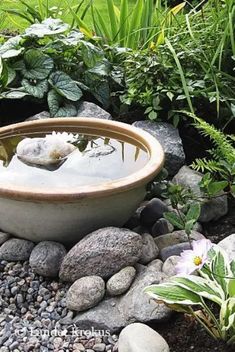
x=199, y=295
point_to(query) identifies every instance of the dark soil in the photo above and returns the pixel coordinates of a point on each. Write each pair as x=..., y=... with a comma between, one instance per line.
x=183, y=335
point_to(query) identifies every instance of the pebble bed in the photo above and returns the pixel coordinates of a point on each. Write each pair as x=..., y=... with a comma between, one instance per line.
x=34, y=317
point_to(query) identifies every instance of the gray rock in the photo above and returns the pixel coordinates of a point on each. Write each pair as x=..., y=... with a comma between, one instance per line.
x=47, y=257
x=120, y=282
x=103, y=252
x=169, y=266
x=176, y=237
x=117, y=312
x=228, y=244
x=40, y=116
x=176, y=249
x=4, y=237
x=99, y=347
x=85, y=293
x=161, y=227
x=16, y=249
x=170, y=140
x=212, y=209
x=150, y=250
x=87, y=109
x=139, y=337
x=153, y=211
x=156, y=265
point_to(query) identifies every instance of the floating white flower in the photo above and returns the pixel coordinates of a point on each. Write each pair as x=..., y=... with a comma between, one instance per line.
x=50, y=150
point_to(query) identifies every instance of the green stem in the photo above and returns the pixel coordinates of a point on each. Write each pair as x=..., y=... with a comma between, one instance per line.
x=211, y=314
x=203, y=324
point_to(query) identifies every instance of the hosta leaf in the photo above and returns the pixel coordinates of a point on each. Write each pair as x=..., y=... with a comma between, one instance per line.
x=58, y=106
x=37, y=64
x=227, y=314
x=220, y=268
x=65, y=86
x=201, y=286
x=11, y=48
x=173, y=294
x=35, y=88
x=232, y=267
x=49, y=26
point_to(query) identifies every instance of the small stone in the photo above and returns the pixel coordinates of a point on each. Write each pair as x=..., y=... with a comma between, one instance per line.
x=156, y=265
x=99, y=347
x=153, y=211
x=85, y=293
x=150, y=250
x=228, y=245
x=174, y=250
x=161, y=227
x=47, y=257
x=139, y=337
x=16, y=249
x=120, y=282
x=78, y=347
x=4, y=237
x=169, y=265
x=176, y=237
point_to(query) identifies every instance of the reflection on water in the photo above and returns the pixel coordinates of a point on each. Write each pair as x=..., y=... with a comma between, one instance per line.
x=95, y=160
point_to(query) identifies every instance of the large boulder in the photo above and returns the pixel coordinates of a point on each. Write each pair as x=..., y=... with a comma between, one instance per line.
x=16, y=249
x=114, y=313
x=85, y=293
x=139, y=337
x=211, y=209
x=228, y=244
x=103, y=252
x=46, y=258
x=170, y=140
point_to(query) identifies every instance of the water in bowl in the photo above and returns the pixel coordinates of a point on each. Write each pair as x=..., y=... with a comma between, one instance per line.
x=90, y=160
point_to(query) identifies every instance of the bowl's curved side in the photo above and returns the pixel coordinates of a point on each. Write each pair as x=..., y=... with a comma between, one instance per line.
x=91, y=126
x=67, y=222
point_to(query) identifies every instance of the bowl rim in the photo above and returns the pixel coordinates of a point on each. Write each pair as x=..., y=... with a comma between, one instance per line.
x=134, y=180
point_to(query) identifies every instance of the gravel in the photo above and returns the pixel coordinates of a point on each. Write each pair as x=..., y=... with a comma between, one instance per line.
x=34, y=317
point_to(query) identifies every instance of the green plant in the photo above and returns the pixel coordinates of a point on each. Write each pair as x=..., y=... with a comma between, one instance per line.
x=51, y=62
x=192, y=69
x=131, y=26
x=220, y=171
x=216, y=284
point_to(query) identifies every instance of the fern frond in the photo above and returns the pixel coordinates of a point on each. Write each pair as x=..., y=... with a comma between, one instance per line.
x=223, y=144
x=206, y=165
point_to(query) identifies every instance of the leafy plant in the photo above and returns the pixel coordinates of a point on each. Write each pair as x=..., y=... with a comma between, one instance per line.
x=50, y=62
x=215, y=284
x=220, y=171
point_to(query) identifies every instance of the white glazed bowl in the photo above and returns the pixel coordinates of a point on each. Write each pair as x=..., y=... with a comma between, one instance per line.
x=67, y=216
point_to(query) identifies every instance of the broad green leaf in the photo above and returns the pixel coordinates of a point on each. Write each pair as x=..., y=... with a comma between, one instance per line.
x=175, y=220
x=201, y=286
x=232, y=267
x=35, y=88
x=48, y=27
x=227, y=314
x=59, y=106
x=37, y=64
x=14, y=94
x=11, y=48
x=173, y=294
x=91, y=55
x=11, y=75
x=193, y=212
x=216, y=187
x=220, y=268
x=231, y=287
x=3, y=74
x=65, y=86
